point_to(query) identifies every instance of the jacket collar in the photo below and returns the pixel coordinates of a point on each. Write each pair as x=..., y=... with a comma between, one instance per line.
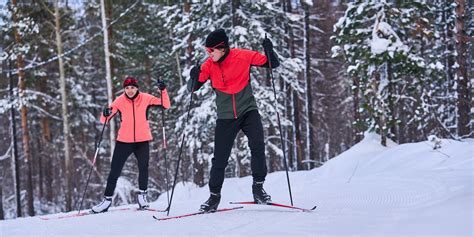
x=132, y=98
x=224, y=56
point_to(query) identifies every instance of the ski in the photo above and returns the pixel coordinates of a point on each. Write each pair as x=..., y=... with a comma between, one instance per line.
x=86, y=213
x=152, y=209
x=276, y=205
x=195, y=213
x=157, y=210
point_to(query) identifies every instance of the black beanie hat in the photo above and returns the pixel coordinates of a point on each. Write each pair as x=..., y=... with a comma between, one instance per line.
x=130, y=81
x=217, y=38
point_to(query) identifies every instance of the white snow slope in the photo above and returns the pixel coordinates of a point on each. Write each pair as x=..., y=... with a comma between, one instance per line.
x=369, y=190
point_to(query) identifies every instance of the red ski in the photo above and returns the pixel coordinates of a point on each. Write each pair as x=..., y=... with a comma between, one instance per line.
x=85, y=213
x=277, y=205
x=195, y=214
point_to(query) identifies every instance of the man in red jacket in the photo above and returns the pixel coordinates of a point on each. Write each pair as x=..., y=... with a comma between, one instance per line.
x=229, y=72
x=133, y=137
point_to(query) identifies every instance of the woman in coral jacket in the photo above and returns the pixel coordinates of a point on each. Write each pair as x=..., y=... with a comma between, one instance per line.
x=133, y=137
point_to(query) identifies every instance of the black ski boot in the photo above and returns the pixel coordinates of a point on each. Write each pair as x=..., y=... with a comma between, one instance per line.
x=211, y=204
x=259, y=194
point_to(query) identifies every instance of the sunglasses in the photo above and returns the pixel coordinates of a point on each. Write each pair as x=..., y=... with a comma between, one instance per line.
x=211, y=49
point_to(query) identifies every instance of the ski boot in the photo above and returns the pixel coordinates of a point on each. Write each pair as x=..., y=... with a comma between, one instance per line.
x=259, y=194
x=142, y=199
x=211, y=204
x=102, y=206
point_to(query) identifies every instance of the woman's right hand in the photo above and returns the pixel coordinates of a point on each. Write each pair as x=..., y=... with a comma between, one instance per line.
x=194, y=77
x=107, y=112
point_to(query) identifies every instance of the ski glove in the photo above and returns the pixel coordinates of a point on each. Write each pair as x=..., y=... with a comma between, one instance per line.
x=107, y=112
x=195, y=71
x=272, y=59
x=267, y=45
x=194, y=74
x=161, y=85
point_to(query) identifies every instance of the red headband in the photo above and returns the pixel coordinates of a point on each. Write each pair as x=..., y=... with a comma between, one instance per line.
x=130, y=81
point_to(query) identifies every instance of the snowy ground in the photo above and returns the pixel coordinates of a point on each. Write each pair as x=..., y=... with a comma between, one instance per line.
x=370, y=190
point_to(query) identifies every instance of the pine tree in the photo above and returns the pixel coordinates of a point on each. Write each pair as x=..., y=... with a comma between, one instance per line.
x=368, y=37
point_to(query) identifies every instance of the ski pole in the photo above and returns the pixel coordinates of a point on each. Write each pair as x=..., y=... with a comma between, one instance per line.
x=93, y=163
x=270, y=73
x=165, y=148
x=182, y=143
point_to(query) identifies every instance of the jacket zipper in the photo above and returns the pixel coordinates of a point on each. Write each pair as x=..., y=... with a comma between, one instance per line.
x=234, y=106
x=133, y=108
x=233, y=95
x=222, y=74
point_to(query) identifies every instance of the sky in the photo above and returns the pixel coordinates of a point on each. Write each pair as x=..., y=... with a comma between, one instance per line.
x=369, y=190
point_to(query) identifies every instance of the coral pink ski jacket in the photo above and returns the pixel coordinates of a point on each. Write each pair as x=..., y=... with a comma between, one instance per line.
x=134, y=125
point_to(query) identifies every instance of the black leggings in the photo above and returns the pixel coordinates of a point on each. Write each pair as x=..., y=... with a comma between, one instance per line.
x=121, y=153
x=226, y=131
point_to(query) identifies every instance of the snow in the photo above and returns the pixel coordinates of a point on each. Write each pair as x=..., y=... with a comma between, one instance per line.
x=436, y=66
x=369, y=190
x=308, y=2
x=351, y=68
x=383, y=43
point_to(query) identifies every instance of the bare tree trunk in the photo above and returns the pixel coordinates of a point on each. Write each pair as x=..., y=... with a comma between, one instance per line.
x=402, y=133
x=148, y=81
x=464, y=96
x=274, y=161
x=289, y=134
x=449, y=64
x=2, y=161
x=64, y=110
x=309, y=98
x=14, y=162
x=43, y=146
x=2, y=214
x=190, y=48
x=47, y=169
x=297, y=128
x=178, y=68
x=296, y=103
x=40, y=168
x=108, y=74
x=235, y=17
x=24, y=114
x=198, y=172
x=377, y=103
x=2, y=169
x=110, y=33
x=178, y=64
x=391, y=105
x=357, y=116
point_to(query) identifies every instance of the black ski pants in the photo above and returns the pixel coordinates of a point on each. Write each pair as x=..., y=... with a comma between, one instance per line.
x=121, y=153
x=226, y=131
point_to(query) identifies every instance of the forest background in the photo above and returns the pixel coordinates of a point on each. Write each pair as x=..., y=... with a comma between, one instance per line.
x=402, y=69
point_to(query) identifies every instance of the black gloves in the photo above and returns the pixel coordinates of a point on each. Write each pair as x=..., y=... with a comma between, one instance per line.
x=267, y=45
x=195, y=71
x=161, y=85
x=107, y=112
x=194, y=74
x=272, y=59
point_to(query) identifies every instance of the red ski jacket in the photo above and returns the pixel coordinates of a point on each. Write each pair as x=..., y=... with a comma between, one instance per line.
x=134, y=125
x=231, y=81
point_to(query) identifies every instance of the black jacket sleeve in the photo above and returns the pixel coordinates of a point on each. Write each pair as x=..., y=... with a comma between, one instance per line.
x=197, y=85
